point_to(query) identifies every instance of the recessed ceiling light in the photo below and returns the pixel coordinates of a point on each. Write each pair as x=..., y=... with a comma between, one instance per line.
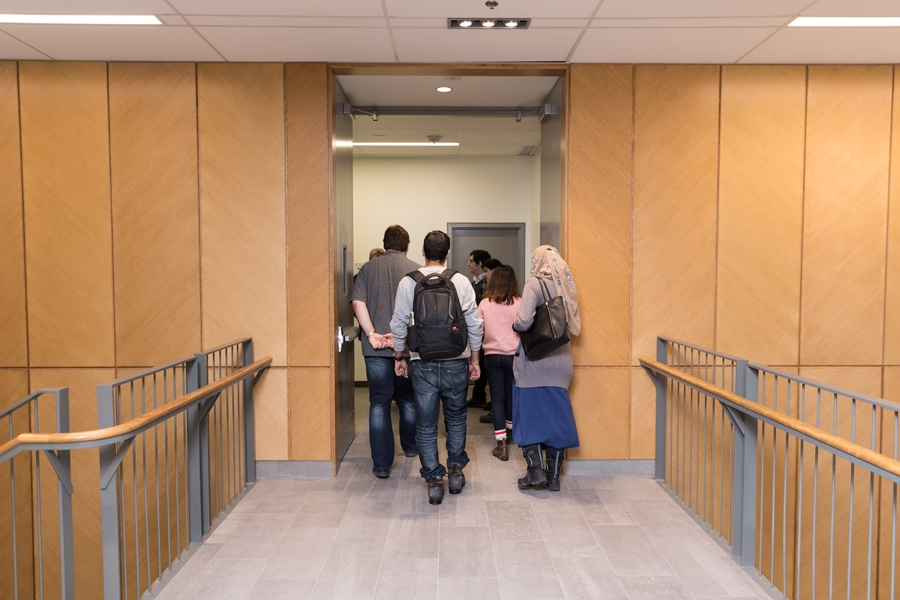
x=465, y=23
x=475, y=23
x=81, y=19
x=511, y=23
x=488, y=23
x=845, y=22
x=444, y=89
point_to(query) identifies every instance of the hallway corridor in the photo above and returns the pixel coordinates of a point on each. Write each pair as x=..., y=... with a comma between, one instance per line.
x=355, y=536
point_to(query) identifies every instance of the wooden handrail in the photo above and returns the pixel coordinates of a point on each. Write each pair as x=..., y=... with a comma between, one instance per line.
x=79, y=438
x=862, y=453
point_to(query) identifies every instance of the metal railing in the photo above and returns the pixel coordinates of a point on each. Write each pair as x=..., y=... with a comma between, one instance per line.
x=803, y=475
x=23, y=571
x=155, y=501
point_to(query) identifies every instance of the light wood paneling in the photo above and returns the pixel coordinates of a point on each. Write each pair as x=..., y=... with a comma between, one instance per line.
x=892, y=295
x=847, y=152
x=308, y=173
x=153, y=149
x=311, y=391
x=270, y=409
x=600, y=401
x=65, y=154
x=643, y=414
x=242, y=206
x=82, y=384
x=599, y=231
x=14, y=387
x=760, y=212
x=675, y=171
x=14, y=350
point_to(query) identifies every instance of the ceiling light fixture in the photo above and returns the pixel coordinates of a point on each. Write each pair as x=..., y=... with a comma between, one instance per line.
x=465, y=23
x=845, y=22
x=471, y=23
x=80, y=19
x=488, y=23
x=405, y=144
x=444, y=89
x=511, y=23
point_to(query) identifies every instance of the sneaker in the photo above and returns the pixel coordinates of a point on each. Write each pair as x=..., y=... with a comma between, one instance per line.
x=410, y=453
x=435, y=490
x=488, y=418
x=456, y=480
x=381, y=473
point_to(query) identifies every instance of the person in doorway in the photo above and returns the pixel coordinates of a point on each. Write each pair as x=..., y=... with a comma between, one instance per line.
x=373, y=296
x=476, y=262
x=375, y=253
x=542, y=412
x=488, y=266
x=439, y=381
x=499, y=310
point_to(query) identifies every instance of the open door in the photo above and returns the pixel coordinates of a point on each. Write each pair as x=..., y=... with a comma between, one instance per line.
x=344, y=327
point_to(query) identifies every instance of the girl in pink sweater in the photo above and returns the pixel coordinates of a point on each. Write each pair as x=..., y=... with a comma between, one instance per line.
x=499, y=308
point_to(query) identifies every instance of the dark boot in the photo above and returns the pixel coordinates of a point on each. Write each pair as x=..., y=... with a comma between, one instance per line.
x=535, y=476
x=500, y=451
x=455, y=479
x=509, y=438
x=555, y=459
x=435, y=490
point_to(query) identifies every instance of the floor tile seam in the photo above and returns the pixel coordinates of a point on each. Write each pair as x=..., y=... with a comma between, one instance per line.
x=675, y=571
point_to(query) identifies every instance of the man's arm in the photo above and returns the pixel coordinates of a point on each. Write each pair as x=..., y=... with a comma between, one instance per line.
x=378, y=340
x=474, y=323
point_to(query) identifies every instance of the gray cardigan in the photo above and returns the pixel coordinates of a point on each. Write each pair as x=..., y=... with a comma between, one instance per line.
x=555, y=369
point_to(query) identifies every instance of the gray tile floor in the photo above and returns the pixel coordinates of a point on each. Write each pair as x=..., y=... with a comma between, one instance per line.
x=355, y=536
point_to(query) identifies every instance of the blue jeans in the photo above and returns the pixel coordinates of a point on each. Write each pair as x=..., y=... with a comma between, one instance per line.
x=433, y=382
x=499, y=369
x=383, y=387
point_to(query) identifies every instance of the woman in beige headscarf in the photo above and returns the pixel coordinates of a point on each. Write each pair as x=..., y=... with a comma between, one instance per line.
x=542, y=412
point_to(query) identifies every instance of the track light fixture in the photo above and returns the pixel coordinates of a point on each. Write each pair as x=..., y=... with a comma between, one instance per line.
x=472, y=23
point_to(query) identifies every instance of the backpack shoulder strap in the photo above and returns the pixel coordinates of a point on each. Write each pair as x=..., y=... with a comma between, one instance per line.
x=416, y=275
x=449, y=273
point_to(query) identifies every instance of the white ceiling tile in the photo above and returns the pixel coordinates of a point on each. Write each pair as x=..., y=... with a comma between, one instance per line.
x=365, y=90
x=406, y=151
x=700, y=8
x=284, y=44
x=687, y=45
x=233, y=21
x=115, y=42
x=300, y=8
x=492, y=137
x=13, y=49
x=554, y=23
x=854, y=8
x=404, y=135
x=508, y=9
x=814, y=45
x=433, y=22
x=499, y=150
x=695, y=22
x=532, y=45
x=86, y=7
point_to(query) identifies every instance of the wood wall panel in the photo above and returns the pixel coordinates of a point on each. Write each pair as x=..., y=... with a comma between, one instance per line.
x=643, y=415
x=270, y=409
x=153, y=149
x=892, y=294
x=761, y=212
x=847, y=156
x=65, y=157
x=14, y=350
x=675, y=172
x=599, y=231
x=311, y=416
x=242, y=206
x=600, y=402
x=309, y=270
x=82, y=384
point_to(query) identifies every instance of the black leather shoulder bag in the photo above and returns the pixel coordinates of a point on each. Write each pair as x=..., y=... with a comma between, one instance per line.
x=550, y=329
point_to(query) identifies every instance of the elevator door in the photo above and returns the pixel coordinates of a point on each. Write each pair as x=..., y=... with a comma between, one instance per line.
x=504, y=241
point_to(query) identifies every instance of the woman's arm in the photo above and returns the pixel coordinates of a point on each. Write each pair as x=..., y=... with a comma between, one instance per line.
x=532, y=297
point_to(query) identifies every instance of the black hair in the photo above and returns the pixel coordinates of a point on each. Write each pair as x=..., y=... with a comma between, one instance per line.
x=436, y=246
x=491, y=263
x=396, y=238
x=479, y=256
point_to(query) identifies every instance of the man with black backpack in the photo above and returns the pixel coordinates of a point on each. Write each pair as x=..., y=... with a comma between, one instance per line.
x=435, y=315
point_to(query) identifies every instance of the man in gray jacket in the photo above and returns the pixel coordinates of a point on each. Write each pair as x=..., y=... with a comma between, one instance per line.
x=439, y=380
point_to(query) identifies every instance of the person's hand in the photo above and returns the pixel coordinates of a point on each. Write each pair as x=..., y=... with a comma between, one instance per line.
x=474, y=371
x=380, y=341
x=389, y=340
x=401, y=368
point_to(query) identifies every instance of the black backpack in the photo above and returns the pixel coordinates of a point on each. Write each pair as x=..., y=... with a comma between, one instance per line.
x=439, y=327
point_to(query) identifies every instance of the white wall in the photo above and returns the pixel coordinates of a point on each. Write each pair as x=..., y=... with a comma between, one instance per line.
x=423, y=194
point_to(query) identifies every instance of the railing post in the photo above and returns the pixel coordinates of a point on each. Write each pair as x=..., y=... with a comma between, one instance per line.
x=750, y=391
x=109, y=503
x=202, y=448
x=738, y=498
x=661, y=356
x=66, y=531
x=249, y=427
x=195, y=484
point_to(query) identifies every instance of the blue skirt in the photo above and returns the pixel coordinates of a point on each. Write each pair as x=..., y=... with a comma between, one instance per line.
x=543, y=415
